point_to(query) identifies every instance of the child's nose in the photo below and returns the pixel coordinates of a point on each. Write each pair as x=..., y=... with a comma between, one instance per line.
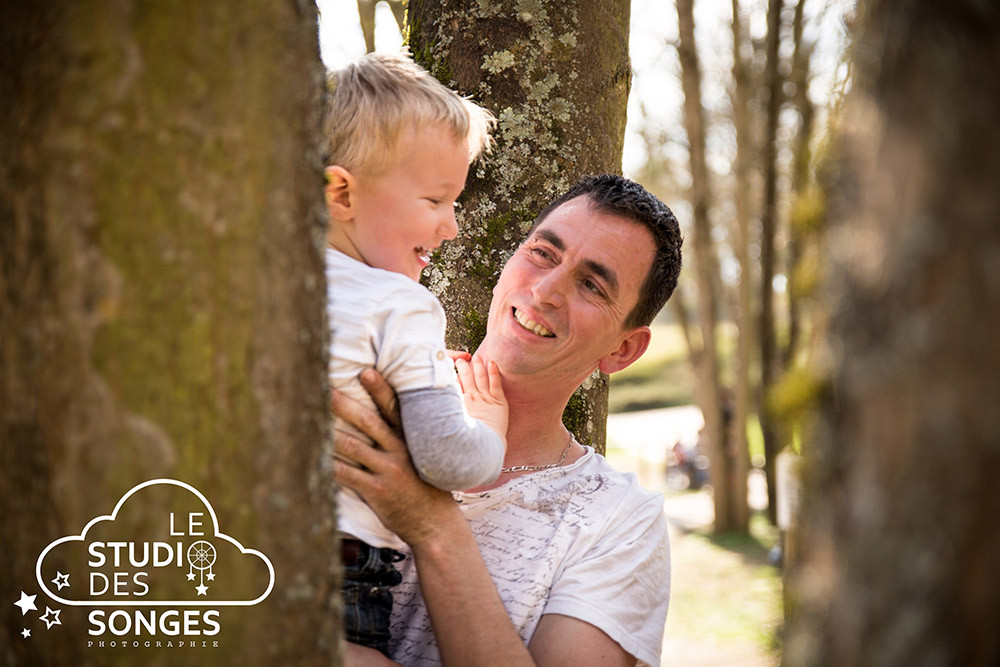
x=448, y=229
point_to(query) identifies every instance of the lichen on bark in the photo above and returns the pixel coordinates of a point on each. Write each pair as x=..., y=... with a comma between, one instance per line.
x=556, y=75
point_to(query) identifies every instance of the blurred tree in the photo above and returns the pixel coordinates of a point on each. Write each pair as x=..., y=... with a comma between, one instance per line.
x=899, y=541
x=768, y=223
x=730, y=505
x=798, y=81
x=366, y=13
x=740, y=90
x=162, y=298
x=556, y=74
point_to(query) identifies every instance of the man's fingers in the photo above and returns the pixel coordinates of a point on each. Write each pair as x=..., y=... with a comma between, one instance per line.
x=455, y=355
x=353, y=450
x=349, y=476
x=367, y=421
x=383, y=395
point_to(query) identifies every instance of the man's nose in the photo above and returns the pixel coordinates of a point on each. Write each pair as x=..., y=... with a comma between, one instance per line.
x=550, y=289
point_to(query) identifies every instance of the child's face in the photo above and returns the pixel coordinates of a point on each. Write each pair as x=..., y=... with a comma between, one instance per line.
x=405, y=212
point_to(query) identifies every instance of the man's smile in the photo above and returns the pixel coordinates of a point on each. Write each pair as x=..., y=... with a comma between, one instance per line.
x=531, y=325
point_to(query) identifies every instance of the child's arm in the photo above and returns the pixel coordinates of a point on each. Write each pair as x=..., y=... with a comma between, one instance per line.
x=452, y=448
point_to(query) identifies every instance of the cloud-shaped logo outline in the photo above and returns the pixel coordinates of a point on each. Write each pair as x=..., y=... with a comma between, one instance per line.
x=154, y=603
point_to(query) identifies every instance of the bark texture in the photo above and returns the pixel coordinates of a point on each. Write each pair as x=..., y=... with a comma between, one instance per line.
x=900, y=539
x=556, y=75
x=161, y=299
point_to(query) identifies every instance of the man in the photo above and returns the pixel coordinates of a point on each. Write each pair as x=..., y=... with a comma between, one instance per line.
x=562, y=560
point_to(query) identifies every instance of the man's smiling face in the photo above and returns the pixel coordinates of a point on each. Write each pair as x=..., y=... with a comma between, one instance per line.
x=560, y=303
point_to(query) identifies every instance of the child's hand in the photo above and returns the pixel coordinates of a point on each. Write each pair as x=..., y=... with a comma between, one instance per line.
x=482, y=391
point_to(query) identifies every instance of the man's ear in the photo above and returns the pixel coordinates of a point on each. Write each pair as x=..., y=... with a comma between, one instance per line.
x=340, y=188
x=631, y=348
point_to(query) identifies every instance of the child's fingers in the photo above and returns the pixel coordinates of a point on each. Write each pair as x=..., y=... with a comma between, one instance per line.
x=465, y=379
x=495, y=382
x=479, y=373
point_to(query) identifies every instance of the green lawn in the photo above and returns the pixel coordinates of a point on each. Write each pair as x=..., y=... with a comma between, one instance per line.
x=725, y=595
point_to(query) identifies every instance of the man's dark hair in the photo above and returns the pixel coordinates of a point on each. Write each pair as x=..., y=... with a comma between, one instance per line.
x=619, y=196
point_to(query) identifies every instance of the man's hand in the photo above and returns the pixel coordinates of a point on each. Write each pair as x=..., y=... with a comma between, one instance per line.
x=386, y=481
x=356, y=655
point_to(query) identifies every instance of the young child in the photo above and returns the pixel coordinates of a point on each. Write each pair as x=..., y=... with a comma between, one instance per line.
x=400, y=146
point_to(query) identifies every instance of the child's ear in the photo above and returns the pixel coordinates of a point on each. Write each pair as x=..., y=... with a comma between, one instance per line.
x=340, y=188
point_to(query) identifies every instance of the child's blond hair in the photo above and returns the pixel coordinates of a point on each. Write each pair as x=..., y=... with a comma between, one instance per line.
x=377, y=97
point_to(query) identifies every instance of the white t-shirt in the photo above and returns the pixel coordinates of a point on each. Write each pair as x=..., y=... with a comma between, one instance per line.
x=583, y=540
x=382, y=320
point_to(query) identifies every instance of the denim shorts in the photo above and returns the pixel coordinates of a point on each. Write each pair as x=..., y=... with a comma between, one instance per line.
x=367, y=596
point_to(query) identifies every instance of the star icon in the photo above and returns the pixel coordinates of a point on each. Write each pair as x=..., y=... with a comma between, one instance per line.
x=61, y=580
x=190, y=576
x=202, y=590
x=26, y=603
x=26, y=633
x=49, y=622
x=210, y=576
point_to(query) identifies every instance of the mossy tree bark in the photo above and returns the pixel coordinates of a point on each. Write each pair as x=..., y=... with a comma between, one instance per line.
x=556, y=74
x=899, y=531
x=161, y=299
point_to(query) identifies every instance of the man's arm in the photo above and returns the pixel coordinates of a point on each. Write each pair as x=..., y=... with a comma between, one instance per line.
x=469, y=620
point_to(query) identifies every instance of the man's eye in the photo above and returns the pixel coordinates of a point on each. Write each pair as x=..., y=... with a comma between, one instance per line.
x=591, y=286
x=541, y=253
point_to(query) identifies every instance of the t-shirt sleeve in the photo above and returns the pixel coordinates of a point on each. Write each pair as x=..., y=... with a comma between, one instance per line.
x=450, y=449
x=409, y=336
x=621, y=582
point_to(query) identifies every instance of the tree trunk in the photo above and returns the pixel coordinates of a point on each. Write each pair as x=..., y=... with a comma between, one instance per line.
x=768, y=224
x=162, y=304
x=800, y=178
x=557, y=75
x=739, y=451
x=901, y=546
x=708, y=389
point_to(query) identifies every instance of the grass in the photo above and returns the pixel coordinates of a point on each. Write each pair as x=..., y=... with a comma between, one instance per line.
x=725, y=593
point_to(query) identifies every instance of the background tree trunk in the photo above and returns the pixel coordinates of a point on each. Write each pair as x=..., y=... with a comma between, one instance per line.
x=742, y=391
x=162, y=300
x=901, y=546
x=708, y=388
x=769, y=221
x=556, y=75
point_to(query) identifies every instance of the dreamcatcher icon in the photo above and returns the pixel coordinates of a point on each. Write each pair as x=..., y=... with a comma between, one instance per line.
x=201, y=557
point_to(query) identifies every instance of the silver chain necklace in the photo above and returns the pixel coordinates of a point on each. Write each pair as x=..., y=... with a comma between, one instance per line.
x=542, y=467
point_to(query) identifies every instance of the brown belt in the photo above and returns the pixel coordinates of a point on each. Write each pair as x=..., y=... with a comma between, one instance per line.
x=350, y=551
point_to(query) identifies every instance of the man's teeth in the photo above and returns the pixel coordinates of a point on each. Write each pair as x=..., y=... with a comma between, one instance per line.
x=531, y=325
x=424, y=253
